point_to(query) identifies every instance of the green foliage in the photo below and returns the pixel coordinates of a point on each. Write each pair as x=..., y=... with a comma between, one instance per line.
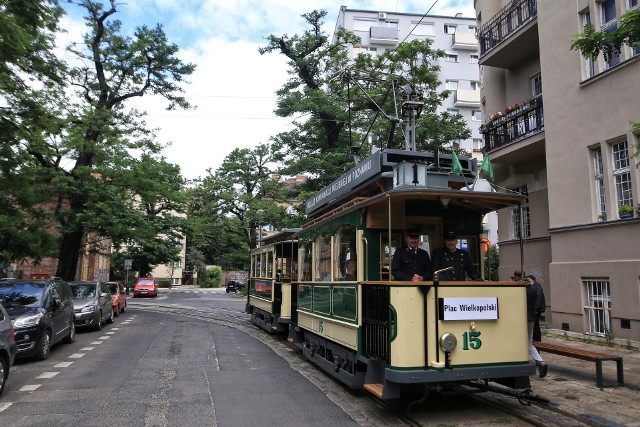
x=492, y=263
x=164, y=283
x=591, y=42
x=625, y=209
x=338, y=113
x=212, y=278
x=609, y=336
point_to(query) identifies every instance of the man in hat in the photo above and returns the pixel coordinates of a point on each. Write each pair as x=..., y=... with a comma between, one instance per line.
x=412, y=263
x=451, y=256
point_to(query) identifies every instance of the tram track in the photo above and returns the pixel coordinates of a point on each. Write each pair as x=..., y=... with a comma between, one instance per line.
x=367, y=409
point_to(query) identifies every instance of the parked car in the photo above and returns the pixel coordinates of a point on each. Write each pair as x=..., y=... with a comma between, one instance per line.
x=234, y=286
x=92, y=304
x=41, y=311
x=146, y=286
x=118, y=297
x=7, y=347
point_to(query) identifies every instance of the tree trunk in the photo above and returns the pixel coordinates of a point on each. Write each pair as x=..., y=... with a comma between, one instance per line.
x=69, y=254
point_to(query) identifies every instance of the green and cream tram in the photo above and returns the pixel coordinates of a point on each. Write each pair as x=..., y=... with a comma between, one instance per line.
x=372, y=331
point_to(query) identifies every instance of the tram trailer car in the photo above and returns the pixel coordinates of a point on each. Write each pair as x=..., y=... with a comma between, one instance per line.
x=376, y=333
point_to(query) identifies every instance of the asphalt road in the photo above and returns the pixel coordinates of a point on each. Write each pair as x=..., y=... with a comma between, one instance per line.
x=155, y=369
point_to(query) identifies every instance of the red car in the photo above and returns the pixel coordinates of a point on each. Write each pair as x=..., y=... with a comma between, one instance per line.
x=146, y=286
x=119, y=297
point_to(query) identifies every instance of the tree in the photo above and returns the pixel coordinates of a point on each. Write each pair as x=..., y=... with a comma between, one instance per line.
x=323, y=89
x=82, y=146
x=228, y=207
x=26, y=40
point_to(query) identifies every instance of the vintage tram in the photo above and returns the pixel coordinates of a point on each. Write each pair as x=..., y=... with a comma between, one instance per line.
x=374, y=332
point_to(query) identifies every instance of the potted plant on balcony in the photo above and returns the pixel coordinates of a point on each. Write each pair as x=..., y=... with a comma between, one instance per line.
x=625, y=211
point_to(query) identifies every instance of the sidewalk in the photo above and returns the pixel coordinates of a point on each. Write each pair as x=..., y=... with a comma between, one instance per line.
x=570, y=384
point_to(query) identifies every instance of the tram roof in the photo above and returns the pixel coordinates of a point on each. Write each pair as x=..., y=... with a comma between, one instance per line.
x=280, y=237
x=481, y=202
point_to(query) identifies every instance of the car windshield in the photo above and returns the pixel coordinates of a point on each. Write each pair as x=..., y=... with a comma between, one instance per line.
x=26, y=294
x=83, y=291
x=145, y=282
x=113, y=288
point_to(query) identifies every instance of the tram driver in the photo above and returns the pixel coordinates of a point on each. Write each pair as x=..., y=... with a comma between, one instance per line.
x=451, y=256
x=412, y=263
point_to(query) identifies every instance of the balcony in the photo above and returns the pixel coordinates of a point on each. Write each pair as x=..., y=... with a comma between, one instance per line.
x=510, y=36
x=383, y=35
x=514, y=125
x=465, y=41
x=467, y=98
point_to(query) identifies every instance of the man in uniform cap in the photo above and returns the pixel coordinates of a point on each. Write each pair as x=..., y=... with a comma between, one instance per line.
x=451, y=256
x=411, y=263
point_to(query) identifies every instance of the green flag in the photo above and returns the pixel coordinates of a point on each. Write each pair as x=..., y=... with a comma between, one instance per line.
x=456, y=167
x=486, y=166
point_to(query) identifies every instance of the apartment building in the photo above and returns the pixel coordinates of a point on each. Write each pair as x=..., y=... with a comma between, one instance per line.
x=557, y=128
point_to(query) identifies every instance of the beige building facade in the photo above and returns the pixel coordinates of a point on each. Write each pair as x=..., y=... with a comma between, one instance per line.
x=557, y=128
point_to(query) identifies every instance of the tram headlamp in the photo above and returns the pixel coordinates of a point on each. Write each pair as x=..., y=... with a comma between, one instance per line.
x=448, y=342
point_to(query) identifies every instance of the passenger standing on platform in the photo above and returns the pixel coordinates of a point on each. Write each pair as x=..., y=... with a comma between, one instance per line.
x=451, y=256
x=540, y=307
x=532, y=298
x=412, y=263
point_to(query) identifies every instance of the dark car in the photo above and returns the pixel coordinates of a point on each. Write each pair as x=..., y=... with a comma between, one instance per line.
x=92, y=303
x=7, y=346
x=41, y=311
x=234, y=286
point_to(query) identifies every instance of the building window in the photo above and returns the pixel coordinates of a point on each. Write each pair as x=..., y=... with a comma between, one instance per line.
x=451, y=57
x=476, y=115
x=515, y=215
x=475, y=85
x=477, y=144
x=615, y=56
x=588, y=62
x=452, y=85
x=449, y=29
x=599, y=183
x=424, y=28
x=363, y=24
x=536, y=85
x=373, y=51
x=473, y=58
x=453, y=111
x=598, y=307
x=621, y=173
x=633, y=4
x=608, y=13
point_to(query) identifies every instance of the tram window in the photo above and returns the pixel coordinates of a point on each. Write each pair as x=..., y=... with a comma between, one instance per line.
x=345, y=250
x=323, y=258
x=269, y=264
x=305, y=261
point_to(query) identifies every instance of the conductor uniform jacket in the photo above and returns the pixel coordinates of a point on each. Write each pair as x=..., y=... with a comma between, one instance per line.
x=459, y=260
x=407, y=262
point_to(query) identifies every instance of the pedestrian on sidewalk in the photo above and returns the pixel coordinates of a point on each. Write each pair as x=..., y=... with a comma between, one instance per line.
x=532, y=298
x=540, y=307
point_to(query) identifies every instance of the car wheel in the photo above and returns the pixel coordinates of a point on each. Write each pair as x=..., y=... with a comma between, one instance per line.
x=72, y=334
x=99, y=324
x=227, y=290
x=124, y=307
x=111, y=316
x=4, y=372
x=45, y=346
x=116, y=312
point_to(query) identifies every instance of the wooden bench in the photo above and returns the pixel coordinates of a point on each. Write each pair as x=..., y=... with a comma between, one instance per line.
x=590, y=356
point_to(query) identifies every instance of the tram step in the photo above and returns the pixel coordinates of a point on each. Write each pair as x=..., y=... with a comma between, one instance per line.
x=375, y=389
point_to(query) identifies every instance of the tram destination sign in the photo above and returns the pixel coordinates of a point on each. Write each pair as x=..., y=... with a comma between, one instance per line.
x=358, y=175
x=468, y=308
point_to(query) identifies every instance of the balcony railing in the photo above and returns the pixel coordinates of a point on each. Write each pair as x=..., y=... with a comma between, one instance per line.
x=511, y=18
x=517, y=124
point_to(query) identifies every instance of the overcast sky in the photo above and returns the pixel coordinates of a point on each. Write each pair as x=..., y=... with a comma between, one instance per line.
x=233, y=86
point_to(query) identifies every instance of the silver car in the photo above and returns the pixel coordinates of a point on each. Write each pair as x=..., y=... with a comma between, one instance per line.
x=7, y=346
x=92, y=304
